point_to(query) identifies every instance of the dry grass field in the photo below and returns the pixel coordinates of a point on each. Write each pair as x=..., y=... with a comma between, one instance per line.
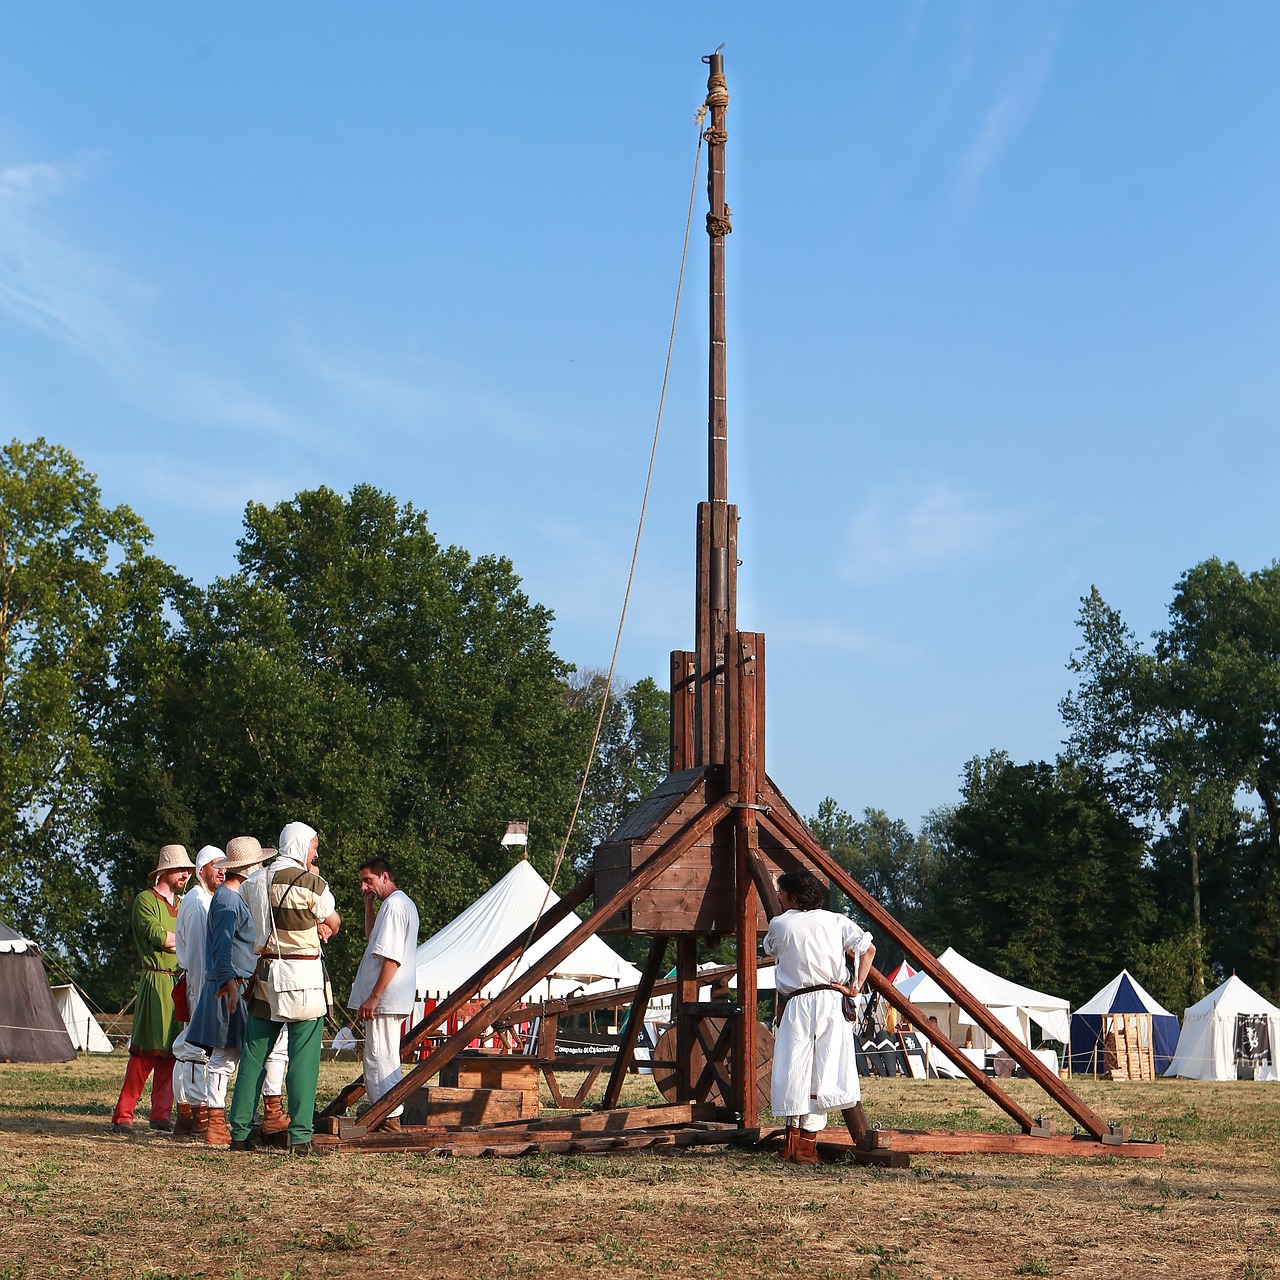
x=77, y=1201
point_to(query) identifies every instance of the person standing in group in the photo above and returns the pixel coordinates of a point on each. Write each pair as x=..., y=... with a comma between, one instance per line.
x=383, y=992
x=189, y=1082
x=293, y=913
x=815, y=1064
x=218, y=1020
x=152, y=919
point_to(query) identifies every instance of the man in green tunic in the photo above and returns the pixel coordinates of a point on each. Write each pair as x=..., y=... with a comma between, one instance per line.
x=155, y=912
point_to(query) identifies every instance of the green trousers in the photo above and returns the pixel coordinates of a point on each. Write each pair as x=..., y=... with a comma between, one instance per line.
x=299, y=1080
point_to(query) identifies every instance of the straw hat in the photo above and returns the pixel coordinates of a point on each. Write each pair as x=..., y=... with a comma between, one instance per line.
x=173, y=857
x=243, y=852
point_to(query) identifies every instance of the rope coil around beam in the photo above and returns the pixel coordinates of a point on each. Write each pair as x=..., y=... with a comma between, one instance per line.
x=719, y=226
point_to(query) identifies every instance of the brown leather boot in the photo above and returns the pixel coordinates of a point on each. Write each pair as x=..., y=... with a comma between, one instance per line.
x=806, y=1147
x=789, y=1143
x=390, y=1125
x=217, y=1134
x=275, y=1119
x=199, y=1122
x=184, y=1123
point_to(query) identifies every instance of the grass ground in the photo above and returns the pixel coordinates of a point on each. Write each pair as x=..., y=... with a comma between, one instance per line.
x=76, y=1200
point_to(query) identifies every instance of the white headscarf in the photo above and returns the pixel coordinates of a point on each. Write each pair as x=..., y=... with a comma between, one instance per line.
x=295, y=841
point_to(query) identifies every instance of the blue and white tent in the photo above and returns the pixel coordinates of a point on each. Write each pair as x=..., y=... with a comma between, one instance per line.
x=1123, y=994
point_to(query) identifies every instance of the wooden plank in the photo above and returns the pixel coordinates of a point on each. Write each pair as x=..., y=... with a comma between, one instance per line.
x=1048, y=1080
x=435, y=1105
x=502, y=1071
x=682, y=694
x=686, y=993
x=932, y=1032
x=916, y=1141
x=502, y=1004
x=635, y=1020
x=440, y=1015
x=743, y=748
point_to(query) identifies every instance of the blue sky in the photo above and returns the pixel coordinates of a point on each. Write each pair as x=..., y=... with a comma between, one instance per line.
x=1004, y=302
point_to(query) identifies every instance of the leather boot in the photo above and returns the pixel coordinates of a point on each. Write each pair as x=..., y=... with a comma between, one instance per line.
x=390, y=1125
x=199, y=1123
x=806, y=1147
x=184, y=1123
x=789, y=1143
x=275, y=1119
x=217, y=1134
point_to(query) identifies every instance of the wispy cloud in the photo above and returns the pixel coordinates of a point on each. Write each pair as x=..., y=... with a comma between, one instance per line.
x=1005, y=118
x=201, y=487
x=415, y=396
x=86, y=303
x=899, y=533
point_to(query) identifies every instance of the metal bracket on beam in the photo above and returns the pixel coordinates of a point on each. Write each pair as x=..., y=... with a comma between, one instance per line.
x=351, y=1128
x=759, y=808
x=1042, y=1128
x=1115, y=1136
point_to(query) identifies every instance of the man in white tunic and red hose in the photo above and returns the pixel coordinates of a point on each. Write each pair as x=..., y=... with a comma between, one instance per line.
x=815, y=1064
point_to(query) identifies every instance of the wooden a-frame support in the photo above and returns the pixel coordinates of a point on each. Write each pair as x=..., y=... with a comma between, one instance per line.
x=718, y=796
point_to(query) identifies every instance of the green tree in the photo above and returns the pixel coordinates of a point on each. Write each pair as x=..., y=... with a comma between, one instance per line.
x=896, y=867
x=631, y=756
x=1043, y=877
x=401, y=697
x=1183, y=728
x=74, y=578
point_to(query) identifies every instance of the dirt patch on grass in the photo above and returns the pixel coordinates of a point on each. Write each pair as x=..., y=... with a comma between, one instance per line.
x=77, y=1200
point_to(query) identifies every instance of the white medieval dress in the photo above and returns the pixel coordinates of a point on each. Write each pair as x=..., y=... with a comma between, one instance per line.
x=815, y=1064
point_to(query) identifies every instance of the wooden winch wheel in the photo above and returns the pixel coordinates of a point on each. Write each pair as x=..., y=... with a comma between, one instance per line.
x=665, y=1075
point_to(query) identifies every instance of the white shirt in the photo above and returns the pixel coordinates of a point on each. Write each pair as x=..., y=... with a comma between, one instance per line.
x=810, y=947
x=189, y=931
x=394, y=936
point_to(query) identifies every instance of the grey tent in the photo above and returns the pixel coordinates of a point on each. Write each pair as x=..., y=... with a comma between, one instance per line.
x=31, y=1028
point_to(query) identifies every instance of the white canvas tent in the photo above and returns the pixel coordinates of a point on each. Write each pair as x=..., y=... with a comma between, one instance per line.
x=1015, y=1005
x=448, y=958
x=1209, y=1048
x=84, y=1029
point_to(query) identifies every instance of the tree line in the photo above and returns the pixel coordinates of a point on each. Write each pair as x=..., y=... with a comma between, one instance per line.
x=1152, y=842
x=401, y=696
x=405, y=699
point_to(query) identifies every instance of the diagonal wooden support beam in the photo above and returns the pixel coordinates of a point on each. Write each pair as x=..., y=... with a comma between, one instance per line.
x=635, y=1020
x=790, y=830
x=459, y=999
x=665, y=856
x=920, y=1020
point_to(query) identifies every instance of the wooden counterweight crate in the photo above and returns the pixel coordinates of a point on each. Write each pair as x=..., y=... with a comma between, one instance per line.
x=492, y=1071
x=435, y=1105
x=696, y=895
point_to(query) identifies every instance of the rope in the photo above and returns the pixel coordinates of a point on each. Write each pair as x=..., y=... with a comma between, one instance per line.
x=635, y=554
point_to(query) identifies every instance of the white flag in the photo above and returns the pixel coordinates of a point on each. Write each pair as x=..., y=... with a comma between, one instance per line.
x=517, y=833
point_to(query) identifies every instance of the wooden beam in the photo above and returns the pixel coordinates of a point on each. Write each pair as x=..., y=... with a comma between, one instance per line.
x=939, y=1142
x=742, y=765
x=879, y=983
x=459, y=999
x=644, y=876
x=781, y=821
x=635, y=1021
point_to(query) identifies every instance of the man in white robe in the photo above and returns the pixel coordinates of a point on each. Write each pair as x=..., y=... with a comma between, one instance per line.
x=815, y=1065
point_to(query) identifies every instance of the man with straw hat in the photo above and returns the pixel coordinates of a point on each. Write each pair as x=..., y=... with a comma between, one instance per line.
x=218, y=1020
x=153, y=919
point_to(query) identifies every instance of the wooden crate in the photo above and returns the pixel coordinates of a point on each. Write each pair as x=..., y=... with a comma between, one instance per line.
x=438, y=1105
x=1128, y=1049
x=492, y=1071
